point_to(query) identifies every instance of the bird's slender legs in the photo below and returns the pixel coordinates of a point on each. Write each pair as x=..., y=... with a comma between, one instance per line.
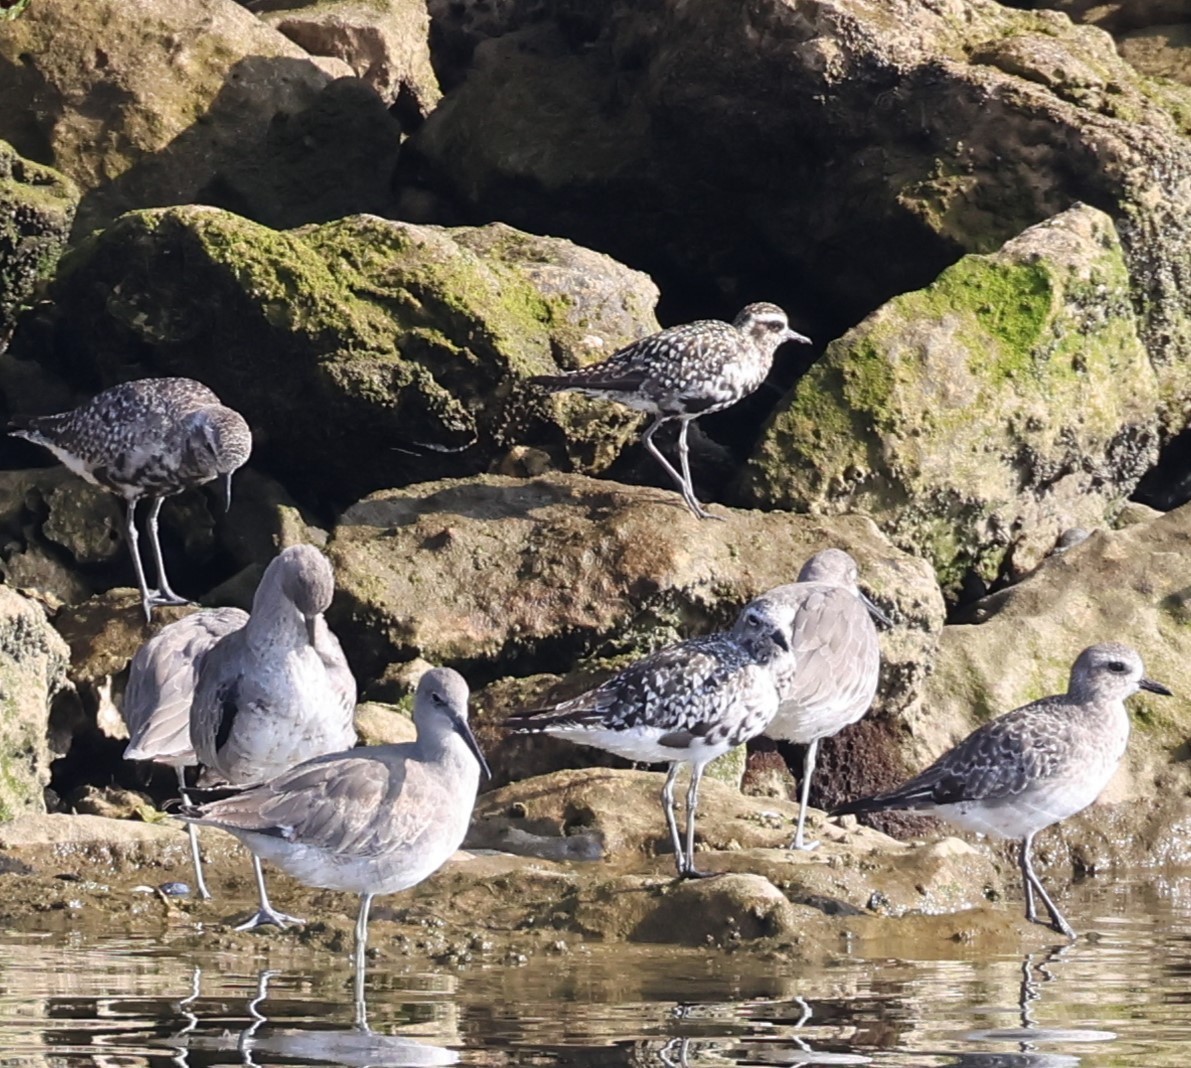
x=679, y=481
x=245, y=1041
x=149, y=597
x=688, y=490
x=163, y=594
x=808, y=769
x=266, y=913
x=689, y=871
x=1033, y=883
x=671, y=819
x=199, y=882
x=361, y=946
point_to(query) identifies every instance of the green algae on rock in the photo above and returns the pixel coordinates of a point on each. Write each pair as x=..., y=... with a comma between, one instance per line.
x=348, y=343
x=37, y=206
x=33, y=661
x=978, y=418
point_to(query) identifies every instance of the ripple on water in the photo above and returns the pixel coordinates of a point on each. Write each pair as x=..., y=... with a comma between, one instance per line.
x=1117, y=997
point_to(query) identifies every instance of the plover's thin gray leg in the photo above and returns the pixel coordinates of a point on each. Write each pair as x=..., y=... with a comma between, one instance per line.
x=671, y=818
x=688, y=487
x=808, y=769
x=1058, y=920
x=689, y=870
x=266, y=913
x=679, y=482
x=199, y=882
x=133, y=538
x=361, y=946
x=163, y=594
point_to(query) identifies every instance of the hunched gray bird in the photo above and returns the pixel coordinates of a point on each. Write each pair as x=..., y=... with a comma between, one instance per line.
x=157, y=698
x=1034, y=766
x=683, y=372
x=829, y=677
x=686, y=704
x=151, y=438
x=371, y=821
x=278, y=690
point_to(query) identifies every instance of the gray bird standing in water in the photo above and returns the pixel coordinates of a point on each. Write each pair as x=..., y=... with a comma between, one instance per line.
x=684, y=372
x=1034, y=766
x=278, y=690
x=151, y=438
x=829, y=677
x=372, y=821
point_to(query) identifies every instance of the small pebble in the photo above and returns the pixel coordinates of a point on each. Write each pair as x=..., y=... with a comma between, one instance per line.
x=175, y=889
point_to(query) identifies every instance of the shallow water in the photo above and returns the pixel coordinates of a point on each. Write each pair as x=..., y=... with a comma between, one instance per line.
x=1121, y=995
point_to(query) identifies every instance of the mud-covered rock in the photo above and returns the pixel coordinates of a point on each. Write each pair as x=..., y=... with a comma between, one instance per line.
x=149, y=103
x=387, y=45
x=357, y=350
x=978, y=418
x=33, y=661
x=37, y=206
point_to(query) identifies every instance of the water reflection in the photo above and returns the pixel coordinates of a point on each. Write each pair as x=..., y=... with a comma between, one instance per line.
x=88, y=1000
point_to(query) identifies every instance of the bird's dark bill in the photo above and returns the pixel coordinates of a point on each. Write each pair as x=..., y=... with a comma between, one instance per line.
x=464, y=728
x=1155, y=687
x=875, y=612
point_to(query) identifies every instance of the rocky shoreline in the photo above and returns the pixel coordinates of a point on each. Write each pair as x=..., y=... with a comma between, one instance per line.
x=333, y=215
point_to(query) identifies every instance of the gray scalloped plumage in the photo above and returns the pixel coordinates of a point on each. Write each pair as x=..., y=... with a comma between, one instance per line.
x=150, y=438
x=1034, y=766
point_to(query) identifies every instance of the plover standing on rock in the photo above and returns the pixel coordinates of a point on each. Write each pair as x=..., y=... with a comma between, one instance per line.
x=686, y=704
x=1034, y=766
x=371, y=821
x=150, y=438
x=829, y=677
x=278, y=690
x=684, y=372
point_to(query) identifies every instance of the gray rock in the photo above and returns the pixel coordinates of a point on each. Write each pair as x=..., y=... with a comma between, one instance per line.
x=386, y=44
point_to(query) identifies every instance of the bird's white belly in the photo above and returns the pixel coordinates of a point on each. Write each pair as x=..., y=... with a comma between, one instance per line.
x=643, y=744
x=1027, y=812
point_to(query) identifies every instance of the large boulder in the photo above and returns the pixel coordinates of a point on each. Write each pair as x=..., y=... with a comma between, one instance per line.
x=980, y=417
x=358, y=350
x=37, y=206
x=507, y=578
x=827, y=154
x=145, y=103
x=33, y=660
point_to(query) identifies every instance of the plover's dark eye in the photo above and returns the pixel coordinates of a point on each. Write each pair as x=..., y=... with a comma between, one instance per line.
x=1117, y=667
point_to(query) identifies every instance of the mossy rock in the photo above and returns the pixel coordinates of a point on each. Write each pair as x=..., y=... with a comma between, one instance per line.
x=33, y=661
x=978, y=418
x=363, y=352
x=37, y=206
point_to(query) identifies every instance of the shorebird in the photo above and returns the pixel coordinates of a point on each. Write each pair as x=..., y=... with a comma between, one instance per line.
x=684, y=372
x=151, y=438
x=157, y=699
x=829, y=677
x=277, y=691
x=370, y=821
x=1034, y=766
x=686, y=704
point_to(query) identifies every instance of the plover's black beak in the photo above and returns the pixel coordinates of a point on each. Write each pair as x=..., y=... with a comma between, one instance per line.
x=780, y=639
x=312, y=628
x=1155, y=687
x=874, y=611
x=227, y=492
x=464, y=728
x=794, y=335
